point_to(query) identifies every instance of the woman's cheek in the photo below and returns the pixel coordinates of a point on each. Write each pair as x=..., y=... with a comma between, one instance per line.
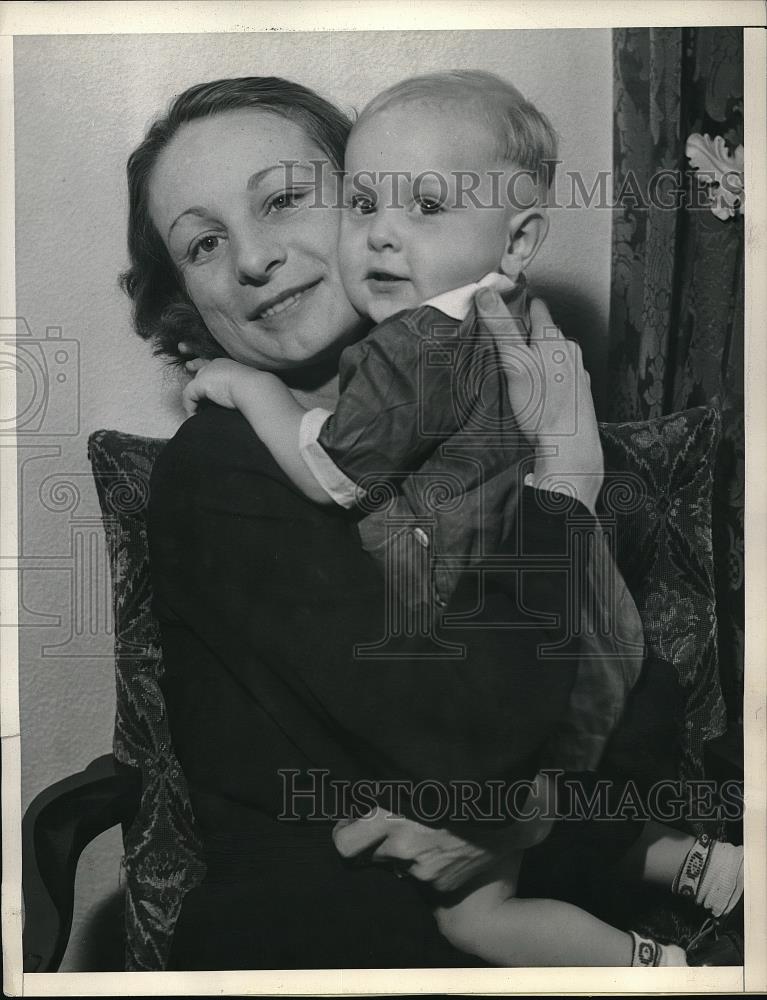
x=215, y=313
x=207, y=287
x=197, y=287
x=351, y=246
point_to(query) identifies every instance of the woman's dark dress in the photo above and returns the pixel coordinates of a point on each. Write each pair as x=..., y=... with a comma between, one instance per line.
x=262, y=596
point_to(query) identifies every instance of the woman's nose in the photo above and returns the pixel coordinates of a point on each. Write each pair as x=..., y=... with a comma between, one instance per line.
x=256, y=257
x=383, y=233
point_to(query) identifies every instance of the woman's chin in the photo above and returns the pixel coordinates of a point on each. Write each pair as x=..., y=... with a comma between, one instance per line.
x=313, y=369
x=300, y=340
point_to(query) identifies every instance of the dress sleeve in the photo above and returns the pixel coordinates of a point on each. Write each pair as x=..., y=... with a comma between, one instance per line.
x=377, y=429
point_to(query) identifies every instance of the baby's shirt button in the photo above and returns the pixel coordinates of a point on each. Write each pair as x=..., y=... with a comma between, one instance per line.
x=421, y=537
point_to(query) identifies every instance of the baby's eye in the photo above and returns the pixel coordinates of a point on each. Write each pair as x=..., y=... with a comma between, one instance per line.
x=429, y=206
x=361, y=204
x=205, y=245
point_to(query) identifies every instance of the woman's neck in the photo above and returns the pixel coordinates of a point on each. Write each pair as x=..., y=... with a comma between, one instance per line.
x=314, y=386
x=325, y=396
x=317, y=384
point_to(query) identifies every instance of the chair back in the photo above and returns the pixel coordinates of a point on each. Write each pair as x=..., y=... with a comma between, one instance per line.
x=163, y=854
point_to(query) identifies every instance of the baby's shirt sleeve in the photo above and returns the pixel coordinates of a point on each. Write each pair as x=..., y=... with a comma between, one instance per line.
x=378, y=430
x=339, y=487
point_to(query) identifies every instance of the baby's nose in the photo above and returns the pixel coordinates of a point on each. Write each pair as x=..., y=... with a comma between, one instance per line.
x=383, y=234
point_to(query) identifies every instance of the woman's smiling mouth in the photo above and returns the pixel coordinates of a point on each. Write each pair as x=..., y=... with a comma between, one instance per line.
x=282, y=302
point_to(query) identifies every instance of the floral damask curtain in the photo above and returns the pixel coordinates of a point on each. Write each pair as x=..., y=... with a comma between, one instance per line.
x=676, y=329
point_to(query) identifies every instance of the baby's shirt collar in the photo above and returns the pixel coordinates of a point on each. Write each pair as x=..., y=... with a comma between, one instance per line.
x=458, y=301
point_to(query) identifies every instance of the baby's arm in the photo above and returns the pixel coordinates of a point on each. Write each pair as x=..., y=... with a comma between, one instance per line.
x=268, y=406
x=376, y=432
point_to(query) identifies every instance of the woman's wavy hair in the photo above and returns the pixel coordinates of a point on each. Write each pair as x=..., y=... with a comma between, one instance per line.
x=162, y=310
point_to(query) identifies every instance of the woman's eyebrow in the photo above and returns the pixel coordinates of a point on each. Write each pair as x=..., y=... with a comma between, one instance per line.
x=194, y=210
x=253, y=181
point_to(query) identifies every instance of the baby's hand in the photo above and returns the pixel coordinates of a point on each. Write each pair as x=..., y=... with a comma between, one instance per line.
x=222, y=381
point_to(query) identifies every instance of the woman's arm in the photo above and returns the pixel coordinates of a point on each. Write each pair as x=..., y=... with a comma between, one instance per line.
x=268, y=406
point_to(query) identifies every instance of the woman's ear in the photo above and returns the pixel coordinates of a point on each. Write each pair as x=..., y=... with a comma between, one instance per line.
x=527, y=231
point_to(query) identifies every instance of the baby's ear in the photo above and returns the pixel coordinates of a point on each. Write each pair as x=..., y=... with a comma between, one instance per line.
x=527, y=231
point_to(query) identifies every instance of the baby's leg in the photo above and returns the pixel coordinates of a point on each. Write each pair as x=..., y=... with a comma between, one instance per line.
x=530, y=932
x=492, y=924
x=657, y=855
x=709, y=872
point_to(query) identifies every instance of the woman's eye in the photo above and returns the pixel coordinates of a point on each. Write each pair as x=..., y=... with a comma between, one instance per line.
x=284, y=200
x=205, y=245
x=362, y=205
x=429, y=206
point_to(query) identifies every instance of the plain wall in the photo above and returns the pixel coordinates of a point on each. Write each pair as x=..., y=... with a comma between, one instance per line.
x=81, y=105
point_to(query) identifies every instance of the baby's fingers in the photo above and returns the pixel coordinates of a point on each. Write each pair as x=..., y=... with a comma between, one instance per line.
x=196, y=364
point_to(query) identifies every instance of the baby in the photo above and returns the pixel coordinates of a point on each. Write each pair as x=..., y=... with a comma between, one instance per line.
x=445, y=182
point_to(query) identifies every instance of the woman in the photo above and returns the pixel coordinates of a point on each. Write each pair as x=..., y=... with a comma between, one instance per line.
x=264, y=598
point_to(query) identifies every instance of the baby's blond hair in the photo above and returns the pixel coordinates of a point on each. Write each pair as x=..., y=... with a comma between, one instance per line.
x=524, y=136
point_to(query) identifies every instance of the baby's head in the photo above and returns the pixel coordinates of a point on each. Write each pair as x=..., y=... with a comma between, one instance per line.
x=446, y=175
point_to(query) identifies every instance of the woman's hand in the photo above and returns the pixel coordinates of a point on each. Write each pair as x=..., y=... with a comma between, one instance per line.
x=550, y=395
x=437, y=856
x=430, y=855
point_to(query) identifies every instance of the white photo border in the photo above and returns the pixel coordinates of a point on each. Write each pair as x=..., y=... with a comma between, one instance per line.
x=305, y=15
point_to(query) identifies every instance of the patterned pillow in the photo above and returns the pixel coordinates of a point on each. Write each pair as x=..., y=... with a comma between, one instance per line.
x=162, y=850
x=656, y=503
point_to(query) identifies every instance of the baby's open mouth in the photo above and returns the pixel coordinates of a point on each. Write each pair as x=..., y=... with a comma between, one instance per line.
x=384, y=276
